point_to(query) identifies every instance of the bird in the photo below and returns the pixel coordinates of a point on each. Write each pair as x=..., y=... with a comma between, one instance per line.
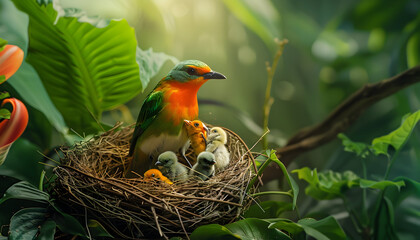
x=155, y=174
x=197, y=134
x=204, y=168
x=159, y=125
x=216, y=141
x=168, y=164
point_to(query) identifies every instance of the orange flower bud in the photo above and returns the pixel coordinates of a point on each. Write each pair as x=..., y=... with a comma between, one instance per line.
x=10, y=60
x=11, y=129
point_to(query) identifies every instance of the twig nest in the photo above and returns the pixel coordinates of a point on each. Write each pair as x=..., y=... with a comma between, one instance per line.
x=90, y=178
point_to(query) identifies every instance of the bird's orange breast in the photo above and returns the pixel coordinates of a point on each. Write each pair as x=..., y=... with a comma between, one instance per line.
x=181, y=100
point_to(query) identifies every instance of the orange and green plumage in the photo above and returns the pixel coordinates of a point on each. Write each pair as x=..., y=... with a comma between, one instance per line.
x=159, y=126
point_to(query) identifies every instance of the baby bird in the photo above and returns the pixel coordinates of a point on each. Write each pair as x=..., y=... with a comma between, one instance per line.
x=216, y=144
x=170, y=167
x=153, y=174
x=204, y=168
x=197, y=134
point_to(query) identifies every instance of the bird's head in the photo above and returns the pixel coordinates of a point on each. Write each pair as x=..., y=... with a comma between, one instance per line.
x=196, y=126
x=219, y=134
x=206, y=159
x=166, y=159
x=192, y=70
x=152, y=174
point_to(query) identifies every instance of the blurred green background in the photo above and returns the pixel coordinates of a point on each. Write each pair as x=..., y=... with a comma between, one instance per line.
x=335, y=47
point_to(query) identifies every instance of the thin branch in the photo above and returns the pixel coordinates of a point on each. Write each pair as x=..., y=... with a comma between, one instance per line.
x=346, y=114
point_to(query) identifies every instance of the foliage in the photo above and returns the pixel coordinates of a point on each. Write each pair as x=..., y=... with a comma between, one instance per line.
x=80, y=68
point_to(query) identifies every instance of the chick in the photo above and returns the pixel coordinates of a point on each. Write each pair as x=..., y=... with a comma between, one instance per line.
x=204, y=168
x=168, y=163
x=197, y=135
x=154, y=174
x=216, y=144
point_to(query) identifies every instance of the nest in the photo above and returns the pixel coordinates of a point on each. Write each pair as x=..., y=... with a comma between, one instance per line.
x=90, y=181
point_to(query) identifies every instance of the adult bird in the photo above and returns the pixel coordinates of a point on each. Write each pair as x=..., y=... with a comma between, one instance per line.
x=159, y=126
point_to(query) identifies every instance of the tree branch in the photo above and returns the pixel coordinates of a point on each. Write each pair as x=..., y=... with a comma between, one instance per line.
x=345, y=114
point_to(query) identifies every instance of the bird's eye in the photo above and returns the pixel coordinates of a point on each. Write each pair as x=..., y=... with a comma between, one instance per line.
x=191, y=71
x=215, y=131
x=153, y=175
x=196, y=124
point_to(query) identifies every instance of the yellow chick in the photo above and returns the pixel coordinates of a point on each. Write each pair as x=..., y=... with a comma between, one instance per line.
x=154, y=174
x=216, y=141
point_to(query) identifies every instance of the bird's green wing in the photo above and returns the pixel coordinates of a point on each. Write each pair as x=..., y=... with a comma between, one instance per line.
x=152, y=106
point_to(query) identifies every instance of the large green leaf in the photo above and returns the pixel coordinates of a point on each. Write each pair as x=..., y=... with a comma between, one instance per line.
x=26, y=81
x=47, y=230
x=324, y=229
x=253, y=228
x=398, y=137
x=67, y=223
x=327, y=185
x=24, y=224
x=85, y=69
x=150, y=63
x=25, y=190
x=268, y=209
x=213, y=231
x=22, y=162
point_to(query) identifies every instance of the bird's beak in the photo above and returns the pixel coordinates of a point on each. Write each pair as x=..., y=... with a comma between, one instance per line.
x=213, y=75
x=158, y=163
x=213, y=162
x=187, y=122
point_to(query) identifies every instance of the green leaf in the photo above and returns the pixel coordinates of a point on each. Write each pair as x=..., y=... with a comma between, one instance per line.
x=413, y=50
x=24, y=224
x=4, y=113
x=411, y=188
x=324, y=229
x=22, y=162
x=287, y=225
x=384, y=221
x=67, y=223
x=380, y=185
x=47, y=230
x=398, y=137
x=359, y=148
x=85, y=69
x=327, y=185
x=97, y=230
x=268, y=209
x=213, y=231
x=25, y=190
x=150, y=63
x=3, y=43
x=253, y=228
x=30, y=88
x=4, y=95
x=260, y=17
